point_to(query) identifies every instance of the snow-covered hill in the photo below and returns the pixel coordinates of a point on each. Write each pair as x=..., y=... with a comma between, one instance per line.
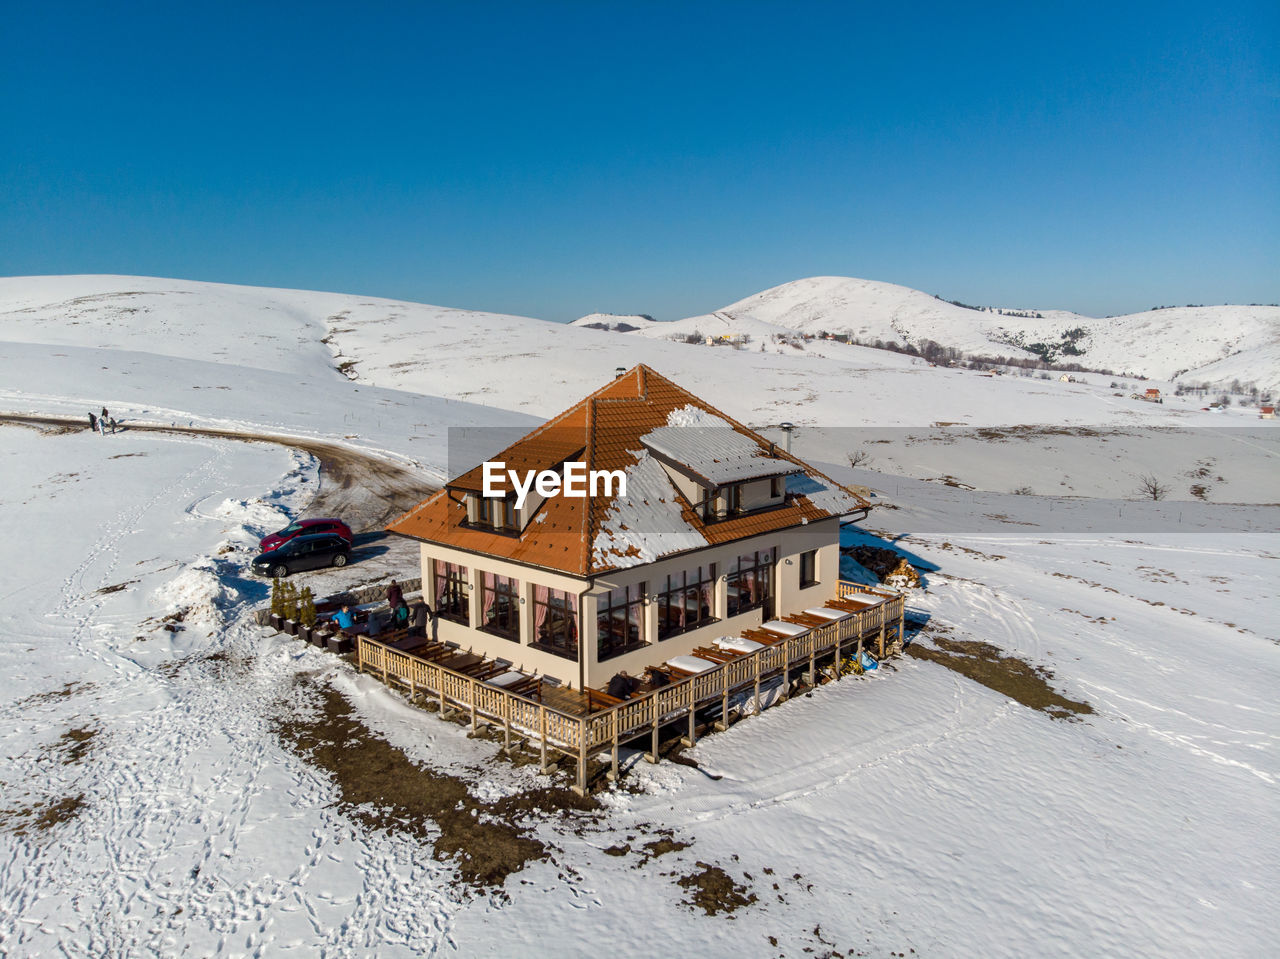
x=615, y=322
x=347, y=367
x=177, y=780
x=1190, y=343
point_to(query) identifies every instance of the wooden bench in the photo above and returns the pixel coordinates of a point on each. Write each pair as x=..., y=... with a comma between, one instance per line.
x=598, y=699
x=433, y=652
x=482, y=669
x=762, y=636
x=530, y=688
x=807, y=620
x=716, y=654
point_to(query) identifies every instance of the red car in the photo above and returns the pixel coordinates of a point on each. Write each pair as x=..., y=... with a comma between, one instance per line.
x=306, y=527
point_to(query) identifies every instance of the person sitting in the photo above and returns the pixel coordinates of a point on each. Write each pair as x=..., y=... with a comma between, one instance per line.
x=622, y=685
x=343, y=618
x=374, y=626
x=401, y=616
x=656, y=678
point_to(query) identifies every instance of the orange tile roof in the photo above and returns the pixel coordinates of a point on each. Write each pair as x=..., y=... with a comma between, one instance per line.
x=584, y=537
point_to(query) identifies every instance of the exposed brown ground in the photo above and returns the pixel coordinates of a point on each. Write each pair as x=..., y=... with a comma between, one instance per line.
x=382, y=788
x=713, y=890
x=995, y=669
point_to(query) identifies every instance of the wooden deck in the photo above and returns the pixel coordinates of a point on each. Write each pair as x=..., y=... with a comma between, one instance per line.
x=578, y=723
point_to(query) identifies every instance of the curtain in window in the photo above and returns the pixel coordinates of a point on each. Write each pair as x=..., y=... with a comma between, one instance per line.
x=571, y=613
x=442, y=582
x=541, y=604
x=490, y=594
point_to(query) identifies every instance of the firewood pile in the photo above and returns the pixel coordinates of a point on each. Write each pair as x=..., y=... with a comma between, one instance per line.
x=885, y=563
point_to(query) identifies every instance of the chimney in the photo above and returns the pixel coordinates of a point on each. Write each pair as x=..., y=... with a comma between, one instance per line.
x=619, y=372
x=787, y=428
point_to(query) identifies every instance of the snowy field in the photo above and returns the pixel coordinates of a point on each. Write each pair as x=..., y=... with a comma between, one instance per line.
x=156, y=801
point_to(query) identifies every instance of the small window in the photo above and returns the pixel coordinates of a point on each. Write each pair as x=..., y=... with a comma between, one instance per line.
x=776, y=487
x=809, y=568
x=499, y=514
x=733, y=499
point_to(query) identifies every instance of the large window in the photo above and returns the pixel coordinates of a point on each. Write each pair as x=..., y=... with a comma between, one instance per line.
x=620, y=621
x=555, y=621
x=686, y=601
x=500, y=606
x=750, y=582
x=499, y=514
x=809, y=568
x=451, y=592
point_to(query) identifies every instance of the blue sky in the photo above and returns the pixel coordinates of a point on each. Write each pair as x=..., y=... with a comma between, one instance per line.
x=554, y=159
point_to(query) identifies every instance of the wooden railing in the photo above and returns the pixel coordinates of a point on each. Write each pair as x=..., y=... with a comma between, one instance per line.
x=578, y=736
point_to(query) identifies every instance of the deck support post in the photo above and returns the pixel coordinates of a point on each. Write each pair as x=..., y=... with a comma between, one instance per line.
x=813, y=674
x=506, y=725
x=786, y=670
x=581, y=787
x=444, y=710
x=836, y=661
x=542, y=729
x=472, y=697
x=613, y=762
x=652, y=754
x=723, y=722
x=902, y=624
x=691, y=738
x=881, y=642
x=756, y=657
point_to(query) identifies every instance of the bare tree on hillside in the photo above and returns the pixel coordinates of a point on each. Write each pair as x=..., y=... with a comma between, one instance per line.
x=1152, y=487
x=860, y=459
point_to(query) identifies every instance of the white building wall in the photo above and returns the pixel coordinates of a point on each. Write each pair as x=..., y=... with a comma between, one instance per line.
x=822, y=536
x=788, y=597
x=521, y=655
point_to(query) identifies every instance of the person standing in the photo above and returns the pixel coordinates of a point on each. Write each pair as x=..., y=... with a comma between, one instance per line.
x=102, y=425
x=394, y=594
x=421, y=613
x=93, y=423
x=105, y=415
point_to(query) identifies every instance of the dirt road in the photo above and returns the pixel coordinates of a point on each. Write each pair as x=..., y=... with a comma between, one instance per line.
x=366, y=491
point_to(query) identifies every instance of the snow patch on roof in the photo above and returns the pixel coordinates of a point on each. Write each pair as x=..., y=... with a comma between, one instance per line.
x=647, y=523
x=690, y=415
x=823, y=495
x=710, y=447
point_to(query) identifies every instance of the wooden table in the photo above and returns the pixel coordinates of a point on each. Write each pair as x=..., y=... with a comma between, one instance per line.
x=462, y=662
